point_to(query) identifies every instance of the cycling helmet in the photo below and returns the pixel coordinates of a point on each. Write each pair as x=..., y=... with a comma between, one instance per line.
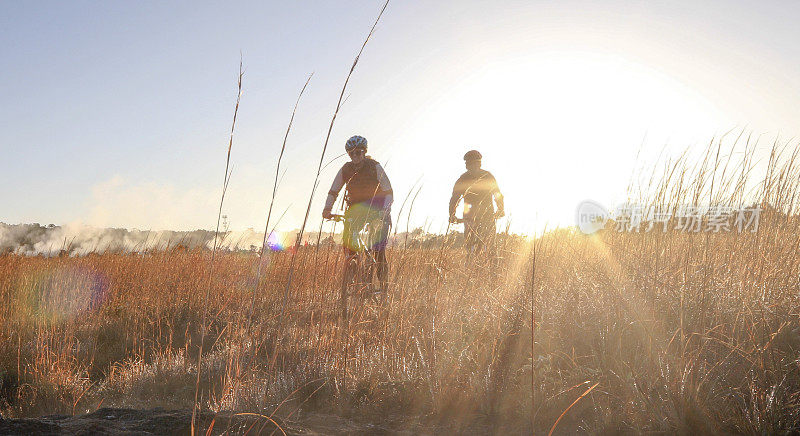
x=472, y=155
x=355, y=142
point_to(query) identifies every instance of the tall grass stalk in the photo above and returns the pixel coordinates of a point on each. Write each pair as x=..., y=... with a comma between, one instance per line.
x=322, y=156
x=226, y=180
x=272, y=202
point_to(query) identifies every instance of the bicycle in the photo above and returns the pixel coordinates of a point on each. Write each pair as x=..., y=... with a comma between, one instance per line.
x=482, y=242
x=481, y=247
x=358, y=274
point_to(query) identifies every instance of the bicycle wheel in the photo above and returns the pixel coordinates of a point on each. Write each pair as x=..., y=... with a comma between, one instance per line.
x=349, y=278
x=368, y=272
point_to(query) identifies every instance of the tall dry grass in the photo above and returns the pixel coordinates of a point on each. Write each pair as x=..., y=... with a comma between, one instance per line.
x=676, y=331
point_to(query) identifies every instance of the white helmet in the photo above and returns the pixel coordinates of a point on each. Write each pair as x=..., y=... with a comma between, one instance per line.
x=355, y=142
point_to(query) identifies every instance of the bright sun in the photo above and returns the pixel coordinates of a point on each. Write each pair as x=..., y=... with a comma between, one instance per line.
x=562, y=127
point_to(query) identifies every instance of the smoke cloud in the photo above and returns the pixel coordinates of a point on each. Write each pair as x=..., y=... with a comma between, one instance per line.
x=77, y=239
x=80, y=239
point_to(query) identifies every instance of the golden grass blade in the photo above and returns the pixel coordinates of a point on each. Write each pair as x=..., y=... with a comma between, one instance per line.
x=553, y=428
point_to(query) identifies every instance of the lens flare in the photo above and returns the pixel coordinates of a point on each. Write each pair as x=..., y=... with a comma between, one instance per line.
x=60, y=294
x=360, y=216
x=278, y=241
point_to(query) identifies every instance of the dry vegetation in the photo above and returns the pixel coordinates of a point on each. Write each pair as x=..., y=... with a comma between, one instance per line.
x=675, y=331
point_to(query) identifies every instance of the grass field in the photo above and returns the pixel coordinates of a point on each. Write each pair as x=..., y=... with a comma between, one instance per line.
x=649, y=331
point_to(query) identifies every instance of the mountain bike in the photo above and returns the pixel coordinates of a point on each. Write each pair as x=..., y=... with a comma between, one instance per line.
x=481, y=248
x=484, y=241
x=358, y=275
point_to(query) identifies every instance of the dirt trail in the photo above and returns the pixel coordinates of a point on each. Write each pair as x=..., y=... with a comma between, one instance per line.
x=109, y=421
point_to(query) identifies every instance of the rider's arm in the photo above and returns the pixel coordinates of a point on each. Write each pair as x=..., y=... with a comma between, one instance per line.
x=336, y=186
x=498, y=197
x=385, y=186
x=458, y=192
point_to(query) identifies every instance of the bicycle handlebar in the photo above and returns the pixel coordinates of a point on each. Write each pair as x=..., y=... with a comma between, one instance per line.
x=461, y=220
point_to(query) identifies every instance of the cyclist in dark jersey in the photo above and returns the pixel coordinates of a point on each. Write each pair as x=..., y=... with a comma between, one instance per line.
x=369, y=202
x=480, y=192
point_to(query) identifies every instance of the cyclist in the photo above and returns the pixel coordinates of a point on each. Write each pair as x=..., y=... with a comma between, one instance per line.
x=369, y=201
x=478, y=188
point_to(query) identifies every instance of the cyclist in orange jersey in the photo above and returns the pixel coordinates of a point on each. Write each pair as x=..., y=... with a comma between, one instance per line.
x=369, y=199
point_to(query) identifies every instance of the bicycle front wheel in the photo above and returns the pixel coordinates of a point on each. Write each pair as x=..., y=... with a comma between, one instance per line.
x=349, y=278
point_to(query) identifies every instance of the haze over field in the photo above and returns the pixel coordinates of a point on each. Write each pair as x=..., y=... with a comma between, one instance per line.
x=50, y=240
x=119, y=118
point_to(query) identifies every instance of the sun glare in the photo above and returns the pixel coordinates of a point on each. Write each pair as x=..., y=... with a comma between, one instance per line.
x=570, y=121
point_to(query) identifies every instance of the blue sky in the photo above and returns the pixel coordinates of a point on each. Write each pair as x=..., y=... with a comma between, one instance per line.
x=117, y=113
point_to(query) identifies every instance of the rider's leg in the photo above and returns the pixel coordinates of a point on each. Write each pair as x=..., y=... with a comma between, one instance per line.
x=470, y=237
x=352, y=225
x=382, y=238
x=489, y=235
x=350, y=246
x=471, y=243
x=382, y=268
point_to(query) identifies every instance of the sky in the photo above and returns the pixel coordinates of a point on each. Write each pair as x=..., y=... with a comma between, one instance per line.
x=117, y=114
